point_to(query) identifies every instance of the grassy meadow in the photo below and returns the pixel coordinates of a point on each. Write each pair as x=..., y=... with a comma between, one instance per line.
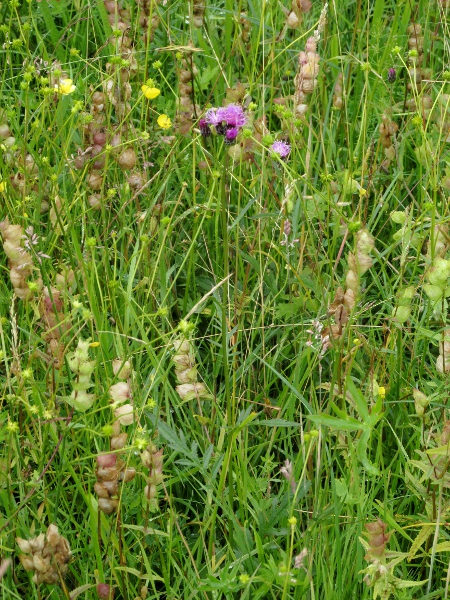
x=224, y=331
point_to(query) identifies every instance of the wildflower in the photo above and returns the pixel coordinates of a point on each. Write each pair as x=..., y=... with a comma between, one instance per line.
x=382, y=392
x=164, y=122
x=12, y=427
x=215, y=116
x=65, y=87
x=150, y=92
x=226, y=118
x=2, y=186
x=392, y=75
x=204, y=130
x=231, y=135
x=283, y=149
x=234, y=115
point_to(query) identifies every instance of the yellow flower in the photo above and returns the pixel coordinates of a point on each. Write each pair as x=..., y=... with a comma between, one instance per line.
x=150, y=92
x=164, y=122
x=65, y=87
x=382, y=392
x=2, y=186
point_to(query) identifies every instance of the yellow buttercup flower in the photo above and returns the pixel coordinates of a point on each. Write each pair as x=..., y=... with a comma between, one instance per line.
x=2, y=186
x=164, y=122
x=65, y=87
x=150, y=92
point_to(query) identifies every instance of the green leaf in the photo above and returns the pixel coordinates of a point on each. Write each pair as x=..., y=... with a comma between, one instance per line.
x=277, y=423
x=359, y=399
x=349, y=424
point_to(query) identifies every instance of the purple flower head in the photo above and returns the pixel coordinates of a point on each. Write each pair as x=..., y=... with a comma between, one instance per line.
x=215, y=116
x=283, y=149
x=204, y=128
x=234, y=115
x=392, y=75
x=225, y=119
x=231, y=134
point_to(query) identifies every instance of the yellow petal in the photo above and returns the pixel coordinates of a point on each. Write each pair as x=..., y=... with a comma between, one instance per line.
x=164, y=122
x=150, y=92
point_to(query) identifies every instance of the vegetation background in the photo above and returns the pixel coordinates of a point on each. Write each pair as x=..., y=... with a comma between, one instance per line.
x=224, y=370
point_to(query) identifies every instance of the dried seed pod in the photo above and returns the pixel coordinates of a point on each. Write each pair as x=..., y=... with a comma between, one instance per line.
x=105, y=591
x=5, y=132
x=48, y=556
x=95, y=181
x=99, y=138
x=198, y=12
x=95, y=202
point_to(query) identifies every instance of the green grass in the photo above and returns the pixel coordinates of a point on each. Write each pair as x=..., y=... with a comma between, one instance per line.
x=243, y=255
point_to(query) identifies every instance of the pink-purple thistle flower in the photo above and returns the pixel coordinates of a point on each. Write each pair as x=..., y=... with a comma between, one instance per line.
x=227, y=120
x=234, y=115
x=283, y=149
x=231, y=134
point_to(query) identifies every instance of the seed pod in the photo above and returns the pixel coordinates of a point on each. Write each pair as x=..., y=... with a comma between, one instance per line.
x=111, y=6
x=4, y=131
x=80, y=161
x=95, y=181
x=106, y=460
x=292, y=21
x=94, y=202
x=98, y=98
x=100, y=138
x=105, y=591
x=108, y=506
